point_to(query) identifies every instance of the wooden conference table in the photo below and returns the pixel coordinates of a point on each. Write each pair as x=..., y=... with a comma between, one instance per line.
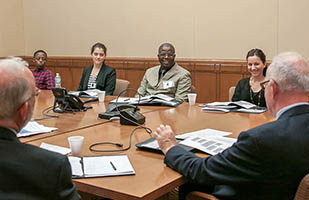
x=67, y=122
x=153, y=179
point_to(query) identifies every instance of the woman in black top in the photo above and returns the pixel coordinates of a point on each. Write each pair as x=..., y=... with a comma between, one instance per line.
x=98, y=76
x=249, y=89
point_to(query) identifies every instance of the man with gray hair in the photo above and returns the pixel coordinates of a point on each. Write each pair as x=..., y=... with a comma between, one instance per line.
x=27, y=172
x=266, y=162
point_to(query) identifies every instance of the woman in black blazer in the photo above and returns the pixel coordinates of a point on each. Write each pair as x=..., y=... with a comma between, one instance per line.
x=98, y=76
x=249, y=89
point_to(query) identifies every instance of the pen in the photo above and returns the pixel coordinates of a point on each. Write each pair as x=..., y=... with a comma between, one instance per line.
x=113, y=165
x=128, y=99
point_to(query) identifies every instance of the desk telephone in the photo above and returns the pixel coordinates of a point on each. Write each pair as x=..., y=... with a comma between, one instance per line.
x=112, y=110
x=67, y=102
x=129, y=114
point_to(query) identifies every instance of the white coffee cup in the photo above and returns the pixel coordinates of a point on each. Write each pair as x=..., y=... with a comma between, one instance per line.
x=192, y=98
x=101, y=95
x=76, y=144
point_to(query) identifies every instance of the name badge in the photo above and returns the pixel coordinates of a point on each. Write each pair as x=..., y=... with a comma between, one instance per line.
x=168, y=84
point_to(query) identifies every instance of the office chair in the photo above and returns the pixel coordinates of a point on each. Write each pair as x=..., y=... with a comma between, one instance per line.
x=120, y=86
x=195, y=195
x=193, y=89
x=302, y=192
x=231, y=92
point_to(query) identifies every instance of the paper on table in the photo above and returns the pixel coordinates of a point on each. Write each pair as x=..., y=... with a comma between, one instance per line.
x=102, y=165
x=55, y=148
x=210, y=145
x=205, y=132
x=76, y=165
x=96, y=166
x=86, y=93
x=153, y=145
x=33, y=128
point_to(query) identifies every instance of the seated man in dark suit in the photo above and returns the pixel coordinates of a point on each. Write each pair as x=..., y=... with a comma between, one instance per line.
x=27, y=172
x=266, y=162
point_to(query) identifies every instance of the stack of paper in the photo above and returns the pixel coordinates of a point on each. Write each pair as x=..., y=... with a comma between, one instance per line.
x=87, y=93
x=157, y=99
x=55, y=148
x=237, y=106
x=33, y=128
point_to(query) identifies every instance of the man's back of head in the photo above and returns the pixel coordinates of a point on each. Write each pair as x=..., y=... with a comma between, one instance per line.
x=288, y=77
x=16, y=88
x=25, y=168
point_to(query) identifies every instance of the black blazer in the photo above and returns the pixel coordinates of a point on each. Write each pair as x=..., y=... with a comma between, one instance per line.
x=106, y=79
x=242, y=92
x=29, y=172
x=266, y=162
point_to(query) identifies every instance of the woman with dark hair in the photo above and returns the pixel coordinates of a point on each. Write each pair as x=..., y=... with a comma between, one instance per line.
x=249, y=89
x=98, y=76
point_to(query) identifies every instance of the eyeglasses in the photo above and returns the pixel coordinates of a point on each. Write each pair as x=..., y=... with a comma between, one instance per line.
x=166, y=54
x=36, y=93
x=262, y=84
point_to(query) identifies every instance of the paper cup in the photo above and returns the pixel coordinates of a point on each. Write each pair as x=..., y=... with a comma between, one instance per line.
x=192, y=98
x=101, y=95
x=76, y=144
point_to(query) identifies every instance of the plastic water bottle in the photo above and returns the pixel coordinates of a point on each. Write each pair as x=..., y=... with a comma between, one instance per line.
x=57, y=81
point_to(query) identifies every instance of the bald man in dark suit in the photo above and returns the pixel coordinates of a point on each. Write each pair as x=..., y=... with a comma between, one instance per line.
x=26, y=171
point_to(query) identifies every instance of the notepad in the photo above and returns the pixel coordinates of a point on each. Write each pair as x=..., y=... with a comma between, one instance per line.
x=100, y=166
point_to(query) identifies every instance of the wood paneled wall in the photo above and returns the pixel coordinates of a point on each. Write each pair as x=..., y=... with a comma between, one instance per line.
x=211, y=78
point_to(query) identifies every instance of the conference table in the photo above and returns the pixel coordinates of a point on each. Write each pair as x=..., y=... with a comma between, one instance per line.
x=70, y=121
x=153, y=178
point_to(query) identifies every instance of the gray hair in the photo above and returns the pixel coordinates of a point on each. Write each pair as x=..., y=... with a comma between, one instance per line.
x=14, y=87
x=290, y=71
x=19, y=59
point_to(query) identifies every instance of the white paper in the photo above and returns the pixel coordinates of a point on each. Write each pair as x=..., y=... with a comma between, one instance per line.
x=204, y=133
x=90, y=93
x=152, y=145
x=210, y=145
x=33, y=128
x=243, y=104
x=76, y=165
x=103, y=165
x=55, y=148
x=211, y=109
x=158, y=98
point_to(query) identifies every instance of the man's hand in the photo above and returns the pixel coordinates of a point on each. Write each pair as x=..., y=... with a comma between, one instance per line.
x=165, y=137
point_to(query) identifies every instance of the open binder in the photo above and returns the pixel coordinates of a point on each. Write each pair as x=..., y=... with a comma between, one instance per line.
x=100, y=166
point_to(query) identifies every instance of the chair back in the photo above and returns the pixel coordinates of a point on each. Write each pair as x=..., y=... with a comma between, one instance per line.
x=196, y=195
x=302, y=192
x=120, y=86
x=231, y=92
x=193, y=89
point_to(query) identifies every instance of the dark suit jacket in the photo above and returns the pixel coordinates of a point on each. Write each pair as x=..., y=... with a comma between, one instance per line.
x=29, y=172
x=242, y=92
x=106, y=79
x=266, y=162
